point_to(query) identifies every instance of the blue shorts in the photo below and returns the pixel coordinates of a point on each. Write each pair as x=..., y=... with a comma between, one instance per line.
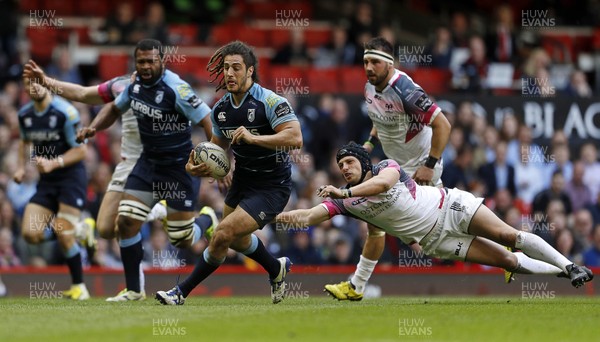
x=165, y=182
x=263, y=199
x=70, y=189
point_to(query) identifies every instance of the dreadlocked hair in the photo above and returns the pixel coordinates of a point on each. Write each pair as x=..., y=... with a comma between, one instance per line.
x=215, y=64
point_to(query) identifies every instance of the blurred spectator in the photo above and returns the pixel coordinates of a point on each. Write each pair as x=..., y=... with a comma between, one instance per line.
x=341, y=252
x=583, y=226
x=578, y=192
x=498, y=174
x=578, y=85
x=559, y=161
x=537, y=60
x=501, y=38
x=159, y=252
x=8, y=257
x=62, y=67
x=525, y=150
x=154, y=26
x=123, y=28
x=338, y=52
x=455, y=142
x=440, y=49
x=594, y=209
x=490, y=140
x=362, y=22
x=108, y=254
x=529, y=178
x=589, y=156
x=302, y=251
x=459, y=26
x=591, y=257
x=556, y=191
x=322, y=144
x=9, y=54
x=471, y=75
x=458, y=173
x=295, y=53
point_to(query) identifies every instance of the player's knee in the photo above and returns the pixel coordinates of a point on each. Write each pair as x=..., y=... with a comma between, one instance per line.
x=222, y=238
x=32, y=237
x=106, y=231
x=181, y=233
x=131, y=215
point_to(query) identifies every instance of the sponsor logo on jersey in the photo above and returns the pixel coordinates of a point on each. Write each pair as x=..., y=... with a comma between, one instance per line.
x=272, y=99
x=359, y=201
x=27, y=122
x=142, y=108
x=184, y=90
x=221, y=116
x=369, y=100
x=194, y=101
x=251, y=114
x=262, y=215
x=283, y=109
x=136, y=88
x=159, y=96
x=389, y=107
x=52, y=121
x=424, y=103
x=228, y=133
x=42, y=135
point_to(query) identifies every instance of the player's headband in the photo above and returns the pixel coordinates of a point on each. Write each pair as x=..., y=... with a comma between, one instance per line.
x=384, y=56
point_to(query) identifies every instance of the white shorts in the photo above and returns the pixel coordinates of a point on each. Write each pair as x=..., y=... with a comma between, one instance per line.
x=119, y=177
x=449, y=238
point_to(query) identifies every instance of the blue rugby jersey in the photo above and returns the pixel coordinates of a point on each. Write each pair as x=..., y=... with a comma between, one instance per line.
x=260, y=112
x=52, y=132
x=165, y=112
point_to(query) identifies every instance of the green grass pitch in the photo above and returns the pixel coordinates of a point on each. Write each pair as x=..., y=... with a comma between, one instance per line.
x=304, y=319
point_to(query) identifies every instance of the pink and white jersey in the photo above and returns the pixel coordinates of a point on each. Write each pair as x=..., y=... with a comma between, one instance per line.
x=131, y=144
x=402, y=114
x=406, y=211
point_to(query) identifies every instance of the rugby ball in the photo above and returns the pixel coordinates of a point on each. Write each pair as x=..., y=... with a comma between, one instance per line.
x=214, y=157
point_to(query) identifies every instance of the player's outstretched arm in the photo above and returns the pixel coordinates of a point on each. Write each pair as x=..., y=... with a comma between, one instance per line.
x=68, y=90
x=304, y=217
x=104, y=119
x=384, y=181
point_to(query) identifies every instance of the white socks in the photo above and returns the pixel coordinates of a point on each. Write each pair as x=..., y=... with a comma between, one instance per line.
x=364, y=268
x=142, y=279
x=536, y=248
x=532, y=266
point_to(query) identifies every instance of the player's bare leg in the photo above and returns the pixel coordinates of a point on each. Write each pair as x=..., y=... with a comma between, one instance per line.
x=486, y=224
x=35, y=227
x=107, y=214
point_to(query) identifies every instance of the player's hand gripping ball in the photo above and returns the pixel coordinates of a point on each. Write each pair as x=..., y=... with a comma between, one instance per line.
x=214, y=157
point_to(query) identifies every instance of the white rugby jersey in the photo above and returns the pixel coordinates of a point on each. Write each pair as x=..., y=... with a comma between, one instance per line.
x=131, y=144
x=406, y=211
x=402, y=114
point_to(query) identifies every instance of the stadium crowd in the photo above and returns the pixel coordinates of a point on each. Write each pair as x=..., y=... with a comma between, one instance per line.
x=552, y=189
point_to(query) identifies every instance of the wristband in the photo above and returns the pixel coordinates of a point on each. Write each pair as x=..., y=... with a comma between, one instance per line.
x=430, y=162
x=346, y=193
x=369, y=143
x=373, y=140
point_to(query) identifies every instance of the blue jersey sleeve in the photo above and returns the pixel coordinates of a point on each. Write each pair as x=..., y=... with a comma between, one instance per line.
x=123, y=101
x=71, y=121
x=188, y=103
x=278, y=110
x=22, y=112
x=216, y=131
